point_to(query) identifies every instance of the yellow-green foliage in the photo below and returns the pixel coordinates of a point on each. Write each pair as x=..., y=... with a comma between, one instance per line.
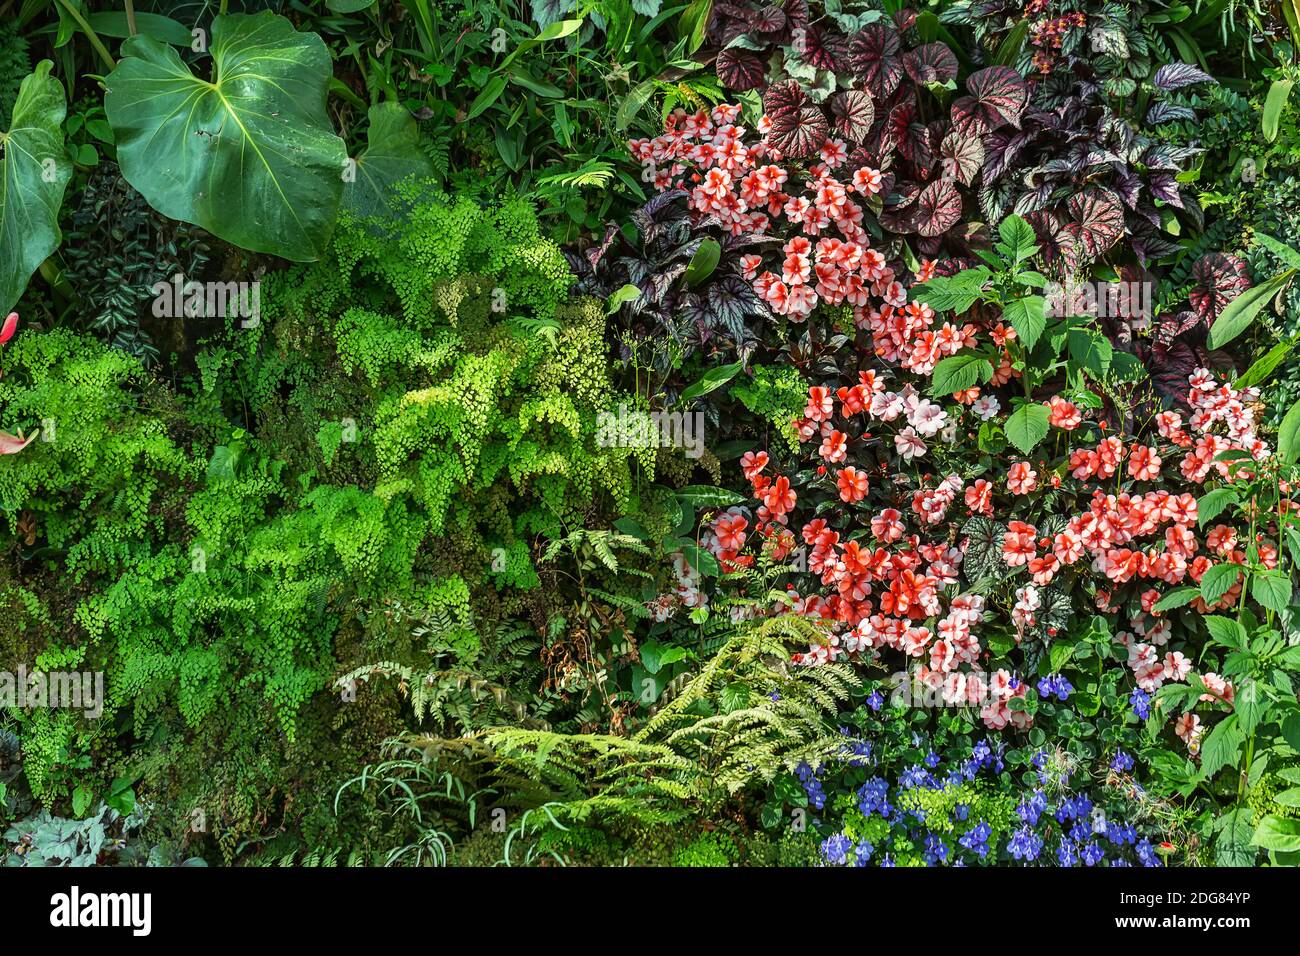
x=778, y=394
x=413, y=413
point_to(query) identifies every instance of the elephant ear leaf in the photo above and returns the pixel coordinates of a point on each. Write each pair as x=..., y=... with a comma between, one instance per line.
x=250, y=156
x=392, y=154
x=34, y=171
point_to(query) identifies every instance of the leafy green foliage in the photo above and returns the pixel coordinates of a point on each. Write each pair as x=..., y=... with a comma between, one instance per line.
x=250, y=155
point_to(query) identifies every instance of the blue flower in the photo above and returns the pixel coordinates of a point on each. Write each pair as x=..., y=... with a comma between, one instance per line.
x=873, y=797
x=1147, y=853
x=835, y=849
x=1054, y=685
x=1122, y=763
x=936, y=851
x=1025, y=844
x=976, y=838
x=1141, y=702
x=811, y=786
x=1031, y=808
x=875, y=701
x=1093, y=854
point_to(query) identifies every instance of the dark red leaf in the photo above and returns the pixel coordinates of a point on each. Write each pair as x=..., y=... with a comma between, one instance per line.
x=1055, y=242
x=771, y=19
x=799, y=128
x=997, y=96
x=1217, y=279
x=852, y=114
x=826, y=49
x=741, y=70
x=962, y=157
x=931, y=63
x=1098, y=220
x=938, y=208
x=1173, y=326
x=873, y=56
x=796, y=13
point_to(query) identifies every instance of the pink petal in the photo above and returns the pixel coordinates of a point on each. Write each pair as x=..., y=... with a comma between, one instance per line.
x=12, y=444
x=9, y=328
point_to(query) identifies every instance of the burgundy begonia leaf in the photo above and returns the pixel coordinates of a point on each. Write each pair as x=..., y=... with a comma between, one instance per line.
x=931, y=63
x=852, y=114
x=938, y=208
x=875, y=60
x=741, y=70
x=1217, y=279
x=996, y=96
x=799, y=128
x=1097, y=220
x=963, y=156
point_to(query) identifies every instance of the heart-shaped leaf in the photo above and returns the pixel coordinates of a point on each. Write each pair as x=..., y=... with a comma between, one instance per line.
x=962, y=156
x=741, y=70
x=250, y=156
x=34, y=170
x=873, y=55
x=1217, y=279
x=931, y=63
x=852, y=114
x=1027, y=426
x=1098, y=220
x=996, y=96
x=799, y=128
x=938, y=208
x=392, y=154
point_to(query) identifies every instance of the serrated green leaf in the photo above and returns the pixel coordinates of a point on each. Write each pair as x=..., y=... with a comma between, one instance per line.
x=1177, y=598
x=1218, y=581
x=1210, y=505
x=1028, y=316
x=1271, y=589
x=956, y=373
x=1027, y=426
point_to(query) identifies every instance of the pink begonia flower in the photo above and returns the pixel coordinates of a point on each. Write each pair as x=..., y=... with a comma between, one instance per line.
x=9, y=328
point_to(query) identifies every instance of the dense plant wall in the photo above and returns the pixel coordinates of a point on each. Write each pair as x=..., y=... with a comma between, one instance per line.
x=702, y=434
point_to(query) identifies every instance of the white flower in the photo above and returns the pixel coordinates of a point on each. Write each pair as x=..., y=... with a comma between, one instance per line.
x=908, y=444
x=986, y=407
x=886, y=406
x=927, y=417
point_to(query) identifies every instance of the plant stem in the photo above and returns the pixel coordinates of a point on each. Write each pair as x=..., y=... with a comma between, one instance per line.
x=130, y=17
x=91, y=35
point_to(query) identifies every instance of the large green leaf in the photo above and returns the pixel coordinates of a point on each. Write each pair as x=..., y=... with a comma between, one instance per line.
x=392, y=154
x=1027, y=426
x=956, y=373
x=34, y=171
x=250, y=156
x=1241, y=311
